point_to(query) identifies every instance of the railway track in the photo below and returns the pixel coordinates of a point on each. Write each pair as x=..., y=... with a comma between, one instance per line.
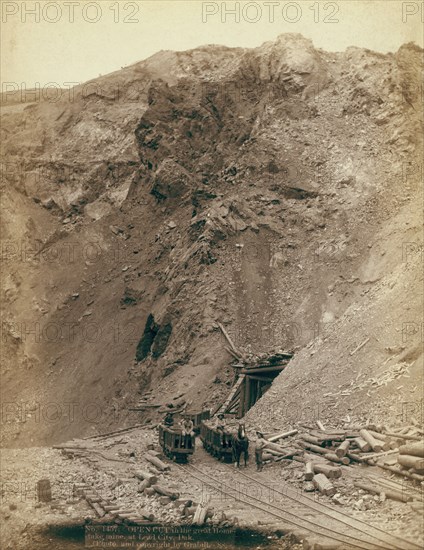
x=330, y=526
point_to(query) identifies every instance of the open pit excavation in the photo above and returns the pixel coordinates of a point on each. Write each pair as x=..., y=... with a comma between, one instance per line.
x=212, y=304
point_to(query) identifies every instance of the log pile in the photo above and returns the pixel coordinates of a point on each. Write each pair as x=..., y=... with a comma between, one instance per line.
x=327, y=450
x=108, y=512
x=274, y=452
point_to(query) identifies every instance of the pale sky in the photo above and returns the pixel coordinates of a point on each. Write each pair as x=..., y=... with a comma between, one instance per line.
x=74, y=41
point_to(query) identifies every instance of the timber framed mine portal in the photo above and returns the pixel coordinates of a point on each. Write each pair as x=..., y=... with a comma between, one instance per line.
x=253, y=379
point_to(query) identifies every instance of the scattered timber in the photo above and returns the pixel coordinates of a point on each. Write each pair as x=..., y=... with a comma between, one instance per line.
x=412, y=449
x=403, y=473
x=323, y=484
x=284, y=435
x=147, y=476
x=415, y=462
x=309, y=472
x=157, y=462
x=394, y=495
x=331, y=472
x=360, y=346
x=165, y=492
x=342, y=449
x=334, y=458
x=376, y=444
x=362, y=445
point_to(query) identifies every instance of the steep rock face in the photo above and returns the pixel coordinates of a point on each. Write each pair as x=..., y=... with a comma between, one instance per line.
x=218, y=184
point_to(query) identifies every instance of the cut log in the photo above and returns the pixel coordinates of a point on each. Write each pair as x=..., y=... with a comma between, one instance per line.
x=402, y=436
x=362, y=445
x=202, y=516
x=275, y=453
x=288, y=453
x=320, y=426
x=310, y=439
x=323, y=484
x=313, y=448
x=157, y=462
x=98, y=509
x=326, y=437
x=342, y=449
x=412, y=449
x=376, y=444
x=334, y=458
x=308, y=486
x=146, y=476
x=275, y=447
x=379, y=455
x=415, y=462
x=375, y=489
x=165, y=492
x=282, y=436
x=332, y=472
x=309, y=472
x=357, y=458
x=378, y=435
x=267, y=456
x=385, y=441
x=143, y=485
x=146, y=514
x=197, y=514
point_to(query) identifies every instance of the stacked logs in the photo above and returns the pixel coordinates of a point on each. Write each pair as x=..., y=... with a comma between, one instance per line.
x=108, y=513
x=327, y=450
x=274, y=452
x=411, y=458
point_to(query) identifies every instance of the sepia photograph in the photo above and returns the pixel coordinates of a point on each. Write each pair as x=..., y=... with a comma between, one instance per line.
x=212, y=275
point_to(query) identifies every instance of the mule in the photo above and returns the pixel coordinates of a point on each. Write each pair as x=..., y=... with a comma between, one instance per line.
x=240, y=446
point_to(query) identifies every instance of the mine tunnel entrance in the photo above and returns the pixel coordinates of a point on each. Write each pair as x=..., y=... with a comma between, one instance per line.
x=253, y=380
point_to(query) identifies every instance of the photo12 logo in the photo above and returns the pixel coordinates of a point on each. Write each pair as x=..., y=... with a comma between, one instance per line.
x=413, y=412
x=53, y=92
x=70, y=12
x=411, y=251
x=270, y=12
x=412, y=332
x=412, y=12
x=54, y=413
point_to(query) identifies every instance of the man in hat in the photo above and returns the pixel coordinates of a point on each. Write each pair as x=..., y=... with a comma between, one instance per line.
x=169, y=420
x=187, y=431
x=259, y=449
x=220, y=425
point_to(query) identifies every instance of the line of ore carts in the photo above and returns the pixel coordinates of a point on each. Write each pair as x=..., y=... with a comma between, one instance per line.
x=178, y=447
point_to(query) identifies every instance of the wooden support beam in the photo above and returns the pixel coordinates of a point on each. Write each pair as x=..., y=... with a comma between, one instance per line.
x=259, y=370
x=260, y=378
x=247, y=394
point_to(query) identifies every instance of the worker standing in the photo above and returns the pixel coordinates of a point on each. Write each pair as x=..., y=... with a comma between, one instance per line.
x=259, y=449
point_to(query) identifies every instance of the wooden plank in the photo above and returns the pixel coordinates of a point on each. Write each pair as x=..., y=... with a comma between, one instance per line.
x=232, y=346
x=233, y=392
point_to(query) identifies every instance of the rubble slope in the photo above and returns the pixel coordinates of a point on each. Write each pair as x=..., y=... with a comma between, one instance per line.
x=272, y=190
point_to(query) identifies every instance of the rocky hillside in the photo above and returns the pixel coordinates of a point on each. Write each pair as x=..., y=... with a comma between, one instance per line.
x=275, y=190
